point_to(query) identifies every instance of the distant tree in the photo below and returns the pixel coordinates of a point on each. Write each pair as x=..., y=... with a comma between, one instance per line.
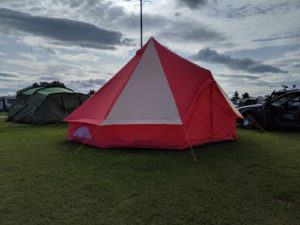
x=245, y=95
x=44, y=84
x=91, y=92
x=35, y=85
x=48, y=84
x=284, y=87
x=57, y=84
x=235, y=96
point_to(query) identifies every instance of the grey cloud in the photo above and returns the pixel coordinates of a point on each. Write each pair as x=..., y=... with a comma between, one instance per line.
x=100, y=12
x=265, y=53
x=77, y=3
x=246, y=77
x=7, y=75
x=60, y=68
x=263, y=86
x=108, y=14
x=251, y=9
x=85, y=85
x=50, y=51
x=191, y=32
x=128, y=42
x=65, y=31
x=244, y=64
x=49, y=78
x=277, y=38
x=4, y=91
x=274, y=84
x=103, y=13
x=5, y=79
x=297, y=65
x=192, y=3
x=132, y=21
x=90, y=82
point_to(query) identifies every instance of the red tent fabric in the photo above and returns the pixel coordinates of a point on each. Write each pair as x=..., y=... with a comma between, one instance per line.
x=157, y=100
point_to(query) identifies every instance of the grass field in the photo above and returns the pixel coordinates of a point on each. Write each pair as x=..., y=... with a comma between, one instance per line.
x=255, y=180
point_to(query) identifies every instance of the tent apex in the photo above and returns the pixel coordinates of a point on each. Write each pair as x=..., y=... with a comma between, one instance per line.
x=151, y=39
x=140, y=51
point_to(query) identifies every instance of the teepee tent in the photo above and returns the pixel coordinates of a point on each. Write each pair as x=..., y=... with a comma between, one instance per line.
x=157, y=100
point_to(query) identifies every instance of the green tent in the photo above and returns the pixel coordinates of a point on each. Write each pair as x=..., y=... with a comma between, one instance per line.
x=42, y=105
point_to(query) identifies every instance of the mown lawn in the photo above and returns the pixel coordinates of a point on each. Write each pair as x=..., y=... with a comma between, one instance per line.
x=255, y=180
x=2, y=114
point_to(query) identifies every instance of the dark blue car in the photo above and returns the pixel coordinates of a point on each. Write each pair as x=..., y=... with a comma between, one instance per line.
x=279, y=111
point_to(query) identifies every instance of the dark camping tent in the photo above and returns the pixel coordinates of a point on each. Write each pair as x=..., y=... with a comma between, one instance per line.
x=42, y=105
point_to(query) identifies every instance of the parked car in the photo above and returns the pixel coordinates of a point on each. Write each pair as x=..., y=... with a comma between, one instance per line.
x=6, y=103
x=279, y=111
x=283, y=91
x=251, y=101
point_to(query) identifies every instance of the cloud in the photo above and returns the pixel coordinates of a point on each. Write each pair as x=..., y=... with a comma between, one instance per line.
x=50, y=51
x=192, y=4
x=48, y=78
x=266, y=52
x=89, y=82
x=132, y=21
x=7, y=75
x=186, y=31
x=297, y=65
x=241, y=11
x=5, y=91
x=245, y=77
x=86, y=85
x=244, y=64
x=258, y=85
x=64, y=31
x=277, y=38
x=128, y=42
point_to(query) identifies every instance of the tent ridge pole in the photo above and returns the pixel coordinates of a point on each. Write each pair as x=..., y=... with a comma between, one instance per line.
x=141, y=21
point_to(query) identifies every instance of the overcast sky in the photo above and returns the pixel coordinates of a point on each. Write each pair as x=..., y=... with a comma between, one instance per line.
x=250, y=46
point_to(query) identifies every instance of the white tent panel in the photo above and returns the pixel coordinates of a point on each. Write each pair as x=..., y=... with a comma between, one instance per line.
x=147, y=97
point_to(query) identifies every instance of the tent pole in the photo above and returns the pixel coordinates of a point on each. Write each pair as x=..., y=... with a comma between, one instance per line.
x=141, y=22
x=190, y=144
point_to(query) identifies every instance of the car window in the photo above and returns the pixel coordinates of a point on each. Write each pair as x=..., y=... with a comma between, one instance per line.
x=282, y=100
x=10, y=101
x=296, y=101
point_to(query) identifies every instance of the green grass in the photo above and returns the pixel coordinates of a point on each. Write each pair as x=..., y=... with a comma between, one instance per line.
x=2, y=114
x=255, y=180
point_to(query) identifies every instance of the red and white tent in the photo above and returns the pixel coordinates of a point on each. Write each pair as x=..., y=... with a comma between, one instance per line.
x=157, y=100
